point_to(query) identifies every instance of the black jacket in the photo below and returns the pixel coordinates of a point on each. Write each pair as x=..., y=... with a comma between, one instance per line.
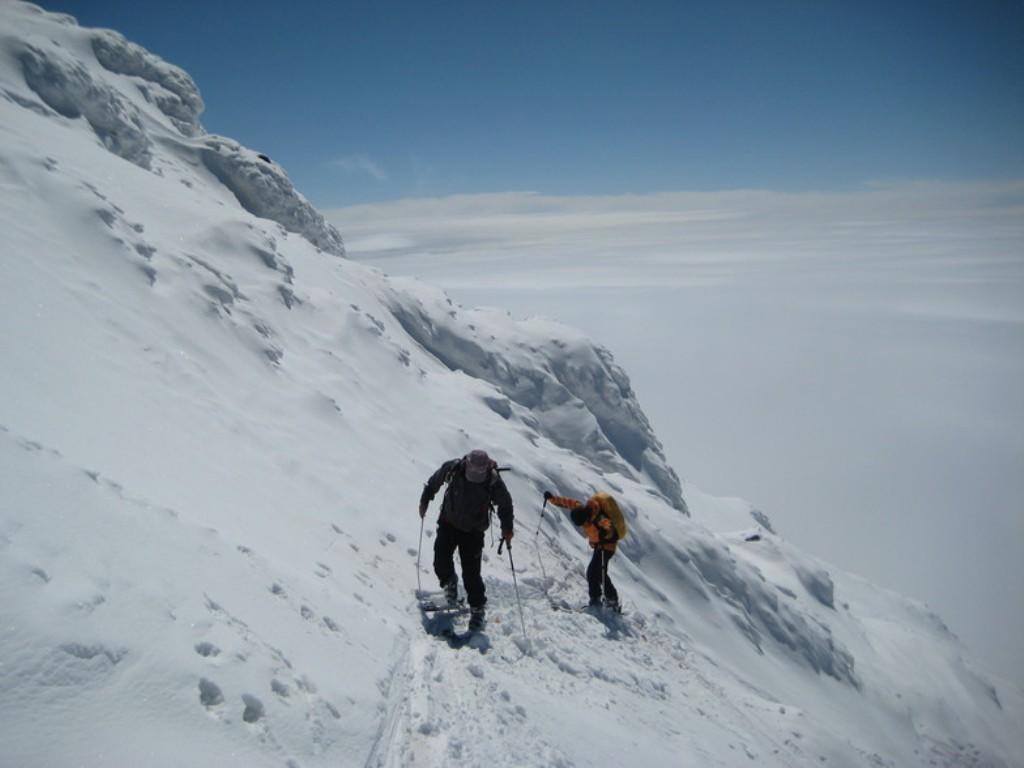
x=466, y=505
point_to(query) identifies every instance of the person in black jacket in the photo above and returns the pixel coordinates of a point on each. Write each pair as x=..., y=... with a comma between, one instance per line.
x=473, y=486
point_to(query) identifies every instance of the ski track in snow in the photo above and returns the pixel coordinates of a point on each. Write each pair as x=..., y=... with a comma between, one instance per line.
x=444, y=695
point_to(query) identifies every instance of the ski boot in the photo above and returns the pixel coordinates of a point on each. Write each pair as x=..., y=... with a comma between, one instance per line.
x=476, y=618
x=451, y=592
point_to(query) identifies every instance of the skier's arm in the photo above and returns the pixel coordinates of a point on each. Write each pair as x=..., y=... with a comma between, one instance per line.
x=503, y=500
x=433, y=485
x=564, y=502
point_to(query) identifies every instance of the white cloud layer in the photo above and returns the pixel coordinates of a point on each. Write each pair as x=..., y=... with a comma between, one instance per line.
x=852, y=362
x=956, y=232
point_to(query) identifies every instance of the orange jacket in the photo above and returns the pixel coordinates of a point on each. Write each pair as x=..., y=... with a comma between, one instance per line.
x=598, y=527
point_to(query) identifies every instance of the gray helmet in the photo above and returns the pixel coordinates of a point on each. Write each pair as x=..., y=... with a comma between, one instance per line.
x=478, y=466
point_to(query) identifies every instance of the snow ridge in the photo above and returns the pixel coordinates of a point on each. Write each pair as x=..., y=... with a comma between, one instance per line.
x=147, y=111
x=264, y=190
x=170, y=88
x=66, y=86
x=566, y=387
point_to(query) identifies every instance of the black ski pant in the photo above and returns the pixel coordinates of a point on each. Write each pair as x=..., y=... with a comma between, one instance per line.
x=471, y=547
x=597, y=577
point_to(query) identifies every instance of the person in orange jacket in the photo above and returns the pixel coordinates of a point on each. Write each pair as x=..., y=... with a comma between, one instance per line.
x=603, y=537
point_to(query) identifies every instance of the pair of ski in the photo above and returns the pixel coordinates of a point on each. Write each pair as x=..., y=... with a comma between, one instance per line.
x=434, y=605
x=437, y=608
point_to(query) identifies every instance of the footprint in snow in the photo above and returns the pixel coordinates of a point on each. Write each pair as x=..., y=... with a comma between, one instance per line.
x=253, y=711
x=90, y=605
x=207, y=650
x=210, y=694
x=90, y=652
x=306, y=685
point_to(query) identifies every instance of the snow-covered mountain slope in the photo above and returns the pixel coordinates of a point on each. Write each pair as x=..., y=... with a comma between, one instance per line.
x=214, y=430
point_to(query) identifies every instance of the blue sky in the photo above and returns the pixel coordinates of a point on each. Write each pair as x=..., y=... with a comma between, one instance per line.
x=365, y=102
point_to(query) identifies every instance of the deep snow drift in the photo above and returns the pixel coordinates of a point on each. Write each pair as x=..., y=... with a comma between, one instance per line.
x=214, y=430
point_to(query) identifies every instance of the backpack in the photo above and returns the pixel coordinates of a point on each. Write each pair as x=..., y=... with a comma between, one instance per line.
x=610, y=507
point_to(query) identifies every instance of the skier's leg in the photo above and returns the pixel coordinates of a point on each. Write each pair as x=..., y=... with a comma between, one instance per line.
x=444, y=553
x=611, y=596
x=471, y=548
x=594, y=578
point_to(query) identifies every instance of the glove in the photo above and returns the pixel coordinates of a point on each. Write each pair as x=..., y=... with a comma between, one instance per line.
x=423, y=510
x=548, y=495
x=507, y=535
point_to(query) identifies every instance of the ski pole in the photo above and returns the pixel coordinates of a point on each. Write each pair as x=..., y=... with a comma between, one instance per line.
x=604, y=577
x=419, y=548
x=515, y=584
x=536, y=546
x=541, y=521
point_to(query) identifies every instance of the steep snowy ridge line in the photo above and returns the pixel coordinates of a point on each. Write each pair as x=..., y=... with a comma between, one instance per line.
x=214, y=434
x=574, y=375
x=170, y=88
x=98, y=76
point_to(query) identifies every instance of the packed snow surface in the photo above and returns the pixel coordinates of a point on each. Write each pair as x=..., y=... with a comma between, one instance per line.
x=213, y=435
